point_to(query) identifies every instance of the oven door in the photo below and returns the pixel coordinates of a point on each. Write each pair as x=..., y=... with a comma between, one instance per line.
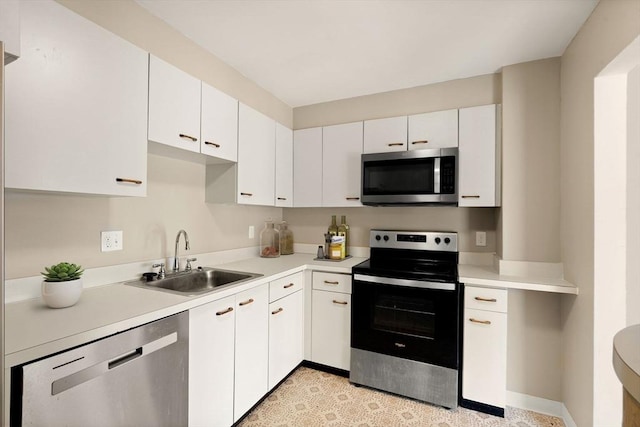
x=413, y=320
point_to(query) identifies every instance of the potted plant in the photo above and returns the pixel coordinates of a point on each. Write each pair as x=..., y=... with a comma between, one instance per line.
x=62, y=285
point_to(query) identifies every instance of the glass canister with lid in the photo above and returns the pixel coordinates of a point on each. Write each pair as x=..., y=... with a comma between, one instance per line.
x=286, y=239
x=269, y=241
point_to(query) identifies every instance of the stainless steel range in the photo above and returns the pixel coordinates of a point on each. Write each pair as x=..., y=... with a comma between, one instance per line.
x=405, y=316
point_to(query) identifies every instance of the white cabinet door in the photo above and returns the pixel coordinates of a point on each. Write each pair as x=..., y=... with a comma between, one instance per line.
x=433, y=130
x=10, y=28
x=256, y=157
x=307, y=168
x=174, y=106
x=219, y=124
x=331, y=329
x=384, y=135
x=252, y=348
x=75, y=117
x=341, y=164
x=285, y=336
x=284, y=166
x=484, y=364
x=211, y=363
x=479, y=155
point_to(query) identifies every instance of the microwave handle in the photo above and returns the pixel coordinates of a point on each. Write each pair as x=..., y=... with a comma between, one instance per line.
x=436, y=175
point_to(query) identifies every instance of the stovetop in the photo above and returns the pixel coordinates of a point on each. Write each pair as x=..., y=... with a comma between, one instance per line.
x=414, y=255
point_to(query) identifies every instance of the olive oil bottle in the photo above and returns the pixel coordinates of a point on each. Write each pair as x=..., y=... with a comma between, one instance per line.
x=343, y=230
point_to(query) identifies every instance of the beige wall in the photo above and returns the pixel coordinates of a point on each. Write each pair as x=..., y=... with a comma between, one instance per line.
x=309, y=224
x=530, y=216
x=610, y=28
x=469, y=92
x=42, y=229
x=134, y=23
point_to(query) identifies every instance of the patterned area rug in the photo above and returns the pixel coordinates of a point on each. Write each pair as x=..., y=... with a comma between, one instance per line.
x=313, y=398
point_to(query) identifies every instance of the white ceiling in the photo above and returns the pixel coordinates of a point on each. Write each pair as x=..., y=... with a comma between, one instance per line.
x=310, y=51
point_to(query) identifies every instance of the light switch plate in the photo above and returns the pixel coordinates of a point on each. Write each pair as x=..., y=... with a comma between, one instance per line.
x=111, y=241
x=481, y=238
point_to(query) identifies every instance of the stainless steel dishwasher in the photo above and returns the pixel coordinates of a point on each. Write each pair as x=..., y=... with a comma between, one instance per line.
x=134, y=378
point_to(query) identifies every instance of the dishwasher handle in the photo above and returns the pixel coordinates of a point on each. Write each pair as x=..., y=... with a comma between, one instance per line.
x=127, y=357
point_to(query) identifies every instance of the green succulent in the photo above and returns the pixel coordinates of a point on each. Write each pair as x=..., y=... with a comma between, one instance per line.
x=62, y=272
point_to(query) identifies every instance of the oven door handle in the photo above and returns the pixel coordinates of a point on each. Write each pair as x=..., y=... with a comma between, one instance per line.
x=404, y=282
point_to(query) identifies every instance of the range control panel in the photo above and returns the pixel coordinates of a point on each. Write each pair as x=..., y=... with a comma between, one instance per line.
x=418, y=240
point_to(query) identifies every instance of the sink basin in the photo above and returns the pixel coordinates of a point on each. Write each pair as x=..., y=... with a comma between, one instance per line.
x=196, y=282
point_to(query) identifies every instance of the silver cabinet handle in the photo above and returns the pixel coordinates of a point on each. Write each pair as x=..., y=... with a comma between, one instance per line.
x=331, y=283
x=396, y=144
x=247, y=302
x=280, y=310
x=129, y=181
x=288, y=286
x=228, y=310
x=212, y=143
x=352, y=198
x=420, y=142
x=471, y=197
x=340, y=302
x=246, y=194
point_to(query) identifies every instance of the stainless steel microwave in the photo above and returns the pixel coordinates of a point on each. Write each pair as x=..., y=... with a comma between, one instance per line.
x=415, y=177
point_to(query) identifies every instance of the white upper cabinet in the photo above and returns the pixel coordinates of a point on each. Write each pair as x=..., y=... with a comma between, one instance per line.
x=284, y=166
x=76, y=107
x=256, y=158
x=307, y=167
x=174, y=106
x=218, y=124
x=10, y=29
x=479, y=156
x=341, y=164
x=383, y=135
x=433, y=130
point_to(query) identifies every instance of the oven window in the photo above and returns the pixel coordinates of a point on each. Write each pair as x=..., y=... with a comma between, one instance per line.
x=402, y=315
x=405, y=176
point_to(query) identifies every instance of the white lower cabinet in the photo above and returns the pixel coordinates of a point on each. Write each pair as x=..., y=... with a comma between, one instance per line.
x=252, y=348
x=211, y=363
x=331, y=322
x=285, y=336
x=484, y=362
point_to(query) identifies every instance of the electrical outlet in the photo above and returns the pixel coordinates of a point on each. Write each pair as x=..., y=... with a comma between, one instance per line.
x=481, y=238
x=252, y=232
x=111, y=241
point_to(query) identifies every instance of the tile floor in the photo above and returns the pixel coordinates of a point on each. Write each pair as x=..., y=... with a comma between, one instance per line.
x=315, y=398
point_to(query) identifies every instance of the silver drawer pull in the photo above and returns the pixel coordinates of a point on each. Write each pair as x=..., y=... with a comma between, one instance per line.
x=247, y=302
x=396, y=144
x=288, y=286
x=420, y=142
x=486, y=299
x=280, y=310
x=484, y=322
x=340, y=302
x=246, y=194
x=129, y=181
x=212, y=143
x=331, y=283
x=228, y=310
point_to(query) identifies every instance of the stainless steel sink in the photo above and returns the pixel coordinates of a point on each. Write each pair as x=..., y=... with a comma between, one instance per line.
x=196, y=282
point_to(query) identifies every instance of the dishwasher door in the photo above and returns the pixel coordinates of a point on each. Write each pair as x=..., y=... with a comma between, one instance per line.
x=135, y=378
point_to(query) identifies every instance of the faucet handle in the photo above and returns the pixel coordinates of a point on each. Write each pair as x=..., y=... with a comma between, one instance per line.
x=161, y=273
x=188, y=267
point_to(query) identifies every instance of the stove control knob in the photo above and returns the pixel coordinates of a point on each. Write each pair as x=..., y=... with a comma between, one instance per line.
x=386, y=238
x=447, y=240
x=437, y=240
x=377, y=237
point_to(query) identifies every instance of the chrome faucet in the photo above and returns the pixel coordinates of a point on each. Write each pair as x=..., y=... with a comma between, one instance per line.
x=176, y=264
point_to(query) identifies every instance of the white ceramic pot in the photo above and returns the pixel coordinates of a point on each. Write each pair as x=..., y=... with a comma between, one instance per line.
x=61, y=294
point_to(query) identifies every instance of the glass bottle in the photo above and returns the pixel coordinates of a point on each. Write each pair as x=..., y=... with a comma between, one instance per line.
x=286, y=239
x=333, y=228
x=343, y=230
x=269, y=241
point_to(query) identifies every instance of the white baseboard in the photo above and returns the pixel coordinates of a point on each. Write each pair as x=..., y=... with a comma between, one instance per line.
x=540, y=405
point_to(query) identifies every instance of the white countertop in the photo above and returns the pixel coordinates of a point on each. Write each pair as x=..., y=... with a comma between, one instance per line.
x=626, y=359
x=32, y=330
x=486, y=276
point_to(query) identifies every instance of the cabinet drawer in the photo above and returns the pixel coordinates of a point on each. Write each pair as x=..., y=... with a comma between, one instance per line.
x=485, y=299
x=334, y=282
x=285, y=286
